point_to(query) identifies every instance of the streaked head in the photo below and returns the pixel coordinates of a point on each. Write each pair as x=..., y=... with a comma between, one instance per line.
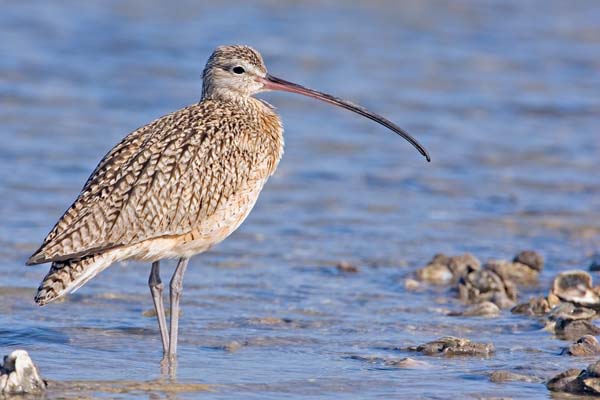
x=235, y=73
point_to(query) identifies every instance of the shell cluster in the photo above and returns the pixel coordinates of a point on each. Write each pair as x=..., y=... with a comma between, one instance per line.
x=19, y=375
x=485, y=287
x=567, y=310
x=586, y=381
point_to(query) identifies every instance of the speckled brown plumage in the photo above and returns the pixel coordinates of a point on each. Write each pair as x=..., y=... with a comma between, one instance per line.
x=61, y=274
x=179, y=185
x=167, y=179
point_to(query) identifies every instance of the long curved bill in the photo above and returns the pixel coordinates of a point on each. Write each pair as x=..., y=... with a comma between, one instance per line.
x=273, y=83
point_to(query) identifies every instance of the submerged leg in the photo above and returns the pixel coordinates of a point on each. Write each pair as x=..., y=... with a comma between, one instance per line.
x=156, y=288
x=176, y=290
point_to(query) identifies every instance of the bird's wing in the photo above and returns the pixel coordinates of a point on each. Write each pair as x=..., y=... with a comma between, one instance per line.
x=160, y=180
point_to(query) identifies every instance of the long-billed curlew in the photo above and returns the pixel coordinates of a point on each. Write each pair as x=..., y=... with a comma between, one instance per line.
x=179, y=185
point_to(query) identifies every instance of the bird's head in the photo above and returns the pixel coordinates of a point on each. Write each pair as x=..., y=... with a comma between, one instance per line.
x=235, y=73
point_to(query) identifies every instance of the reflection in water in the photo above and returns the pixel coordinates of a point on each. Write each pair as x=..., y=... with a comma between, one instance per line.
x=503, y=96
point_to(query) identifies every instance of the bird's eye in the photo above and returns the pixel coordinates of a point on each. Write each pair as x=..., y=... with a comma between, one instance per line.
x=238, y=70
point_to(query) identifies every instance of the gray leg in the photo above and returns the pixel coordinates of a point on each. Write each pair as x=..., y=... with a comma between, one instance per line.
x=176, y=290
x=156, y=288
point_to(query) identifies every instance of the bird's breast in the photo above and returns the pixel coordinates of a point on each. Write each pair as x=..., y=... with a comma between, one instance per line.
x=229, y=182
x=223, y=222
x=270, y=129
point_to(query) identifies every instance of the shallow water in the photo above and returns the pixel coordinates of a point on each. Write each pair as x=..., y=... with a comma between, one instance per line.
x=504, y=94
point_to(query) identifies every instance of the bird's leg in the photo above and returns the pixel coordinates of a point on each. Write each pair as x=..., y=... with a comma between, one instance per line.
x=176, y=290
x=156, y=288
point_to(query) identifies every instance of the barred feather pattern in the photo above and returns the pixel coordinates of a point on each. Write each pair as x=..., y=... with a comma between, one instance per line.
x=68, y=276
x=174, y=187
x=167, y=177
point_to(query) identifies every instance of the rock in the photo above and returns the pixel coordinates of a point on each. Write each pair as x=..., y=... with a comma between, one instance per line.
x=575, y=287
x=586, y=345
x=463, y=264
x=566, y=382
x=508, y=376
x=594, y=369
x=514, y=271
x=571, y=329
x=440, y=258
x=553, y=300
x=443, y=269
x=346, y=267
x=592, y=385
x=570, y=322
x=570, y=312
x=576, y=381
x=406, y=362
x=485, y=285
x=530, y=258
x=502, y=300
x=485, y=309
x=438, y=274
x=453, y=346
x=19, y=375
x=536, y=306
x=412, y=284
x=233, y=346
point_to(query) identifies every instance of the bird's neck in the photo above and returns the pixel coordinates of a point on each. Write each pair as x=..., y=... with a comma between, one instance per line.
x=264, y=130
x=247, y=104
x=232, y=100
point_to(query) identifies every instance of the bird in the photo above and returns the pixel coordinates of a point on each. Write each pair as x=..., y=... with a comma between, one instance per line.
x=179, y=185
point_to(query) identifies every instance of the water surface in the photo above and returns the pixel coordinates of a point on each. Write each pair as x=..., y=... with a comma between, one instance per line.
x=504, y=94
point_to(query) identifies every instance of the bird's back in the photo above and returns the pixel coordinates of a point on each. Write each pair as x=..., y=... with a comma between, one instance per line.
x=167, y=177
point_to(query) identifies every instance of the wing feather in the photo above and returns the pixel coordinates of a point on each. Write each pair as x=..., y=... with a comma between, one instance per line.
x=160, y=180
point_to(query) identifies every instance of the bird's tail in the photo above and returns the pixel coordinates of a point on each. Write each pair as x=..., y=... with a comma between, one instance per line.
x=69, y=275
